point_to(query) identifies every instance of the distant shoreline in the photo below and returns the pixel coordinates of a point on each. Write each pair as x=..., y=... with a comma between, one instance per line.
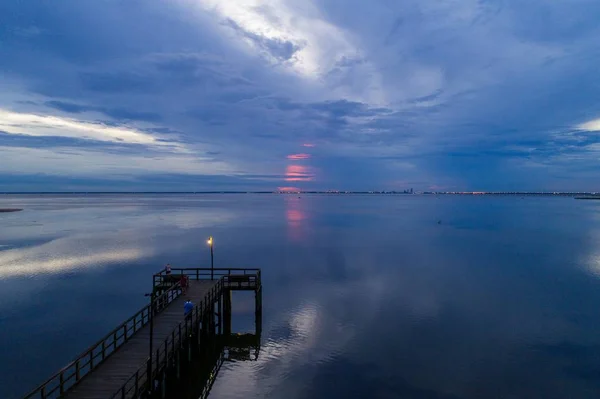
x=6, y=210
x=578, y=195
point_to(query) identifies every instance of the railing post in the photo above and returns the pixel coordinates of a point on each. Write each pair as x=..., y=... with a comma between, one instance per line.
x=91, y=359
x=166, y=352
x=157, y=361
x=62, y=383
x=77, y=370
x=103, y=349
x=227, y=313
x=258, y=311
x=220, y=314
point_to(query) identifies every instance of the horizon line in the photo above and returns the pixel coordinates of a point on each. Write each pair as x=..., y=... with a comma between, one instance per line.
x=454, y=192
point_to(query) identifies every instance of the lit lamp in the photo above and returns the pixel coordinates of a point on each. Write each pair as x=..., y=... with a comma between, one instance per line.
x=212, y=263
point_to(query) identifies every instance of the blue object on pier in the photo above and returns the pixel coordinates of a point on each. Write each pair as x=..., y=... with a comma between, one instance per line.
x=187, y=307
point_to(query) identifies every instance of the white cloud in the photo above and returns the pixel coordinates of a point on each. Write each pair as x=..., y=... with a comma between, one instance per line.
x=326, y=55
x=591, y=126
x=320, y=43
x=54, y=126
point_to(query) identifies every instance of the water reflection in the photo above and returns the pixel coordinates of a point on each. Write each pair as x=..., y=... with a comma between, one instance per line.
x=69, y=235
x=200, y=378
x=366, y=296
x=296, y=217
x=242, y=347
x=300, y=341
x=24, y=262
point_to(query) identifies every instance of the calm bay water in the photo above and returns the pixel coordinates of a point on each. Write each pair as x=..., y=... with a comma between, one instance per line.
x=364, y=296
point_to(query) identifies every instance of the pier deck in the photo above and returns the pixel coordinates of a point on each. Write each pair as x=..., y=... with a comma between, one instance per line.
x=133, y=355
x=120, y=364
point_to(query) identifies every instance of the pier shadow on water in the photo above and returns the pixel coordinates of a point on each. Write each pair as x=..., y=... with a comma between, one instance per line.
x=197, y=380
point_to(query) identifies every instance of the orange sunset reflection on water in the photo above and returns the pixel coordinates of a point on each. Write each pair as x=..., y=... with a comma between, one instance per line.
x=296, y=217
x=295, y=210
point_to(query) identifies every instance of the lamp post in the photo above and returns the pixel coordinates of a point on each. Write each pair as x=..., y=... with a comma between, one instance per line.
x=212, y=262
x=151, y=316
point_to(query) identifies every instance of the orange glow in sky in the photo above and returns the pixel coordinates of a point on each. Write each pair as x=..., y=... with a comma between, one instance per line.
x=298, y=173
x=298, y=157
x=288, y=189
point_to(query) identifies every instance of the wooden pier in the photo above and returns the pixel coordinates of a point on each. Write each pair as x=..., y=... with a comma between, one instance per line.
x=148, y=354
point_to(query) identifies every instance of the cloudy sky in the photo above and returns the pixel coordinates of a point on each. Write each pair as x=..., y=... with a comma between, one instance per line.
x=313, y=94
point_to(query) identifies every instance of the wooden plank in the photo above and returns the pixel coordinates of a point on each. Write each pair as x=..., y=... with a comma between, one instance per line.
x=114, y=372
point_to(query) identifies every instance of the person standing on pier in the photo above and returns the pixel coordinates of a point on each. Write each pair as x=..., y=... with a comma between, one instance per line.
x=168, y=268
x=187, y=307
x=183, y=282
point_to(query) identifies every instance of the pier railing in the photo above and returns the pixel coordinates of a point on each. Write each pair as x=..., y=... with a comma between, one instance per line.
x=230, y=274
x=167, y=349
x=92, y=357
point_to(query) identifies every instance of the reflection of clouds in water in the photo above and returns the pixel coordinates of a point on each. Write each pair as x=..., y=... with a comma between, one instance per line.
x=591, y=261
x=316, y=332
x=280, y=357
x=66, y=254
x=44, y=224
x=89, y=235
x=593, y=264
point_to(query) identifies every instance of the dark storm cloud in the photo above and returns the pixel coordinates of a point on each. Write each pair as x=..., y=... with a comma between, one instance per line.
x=281, y=50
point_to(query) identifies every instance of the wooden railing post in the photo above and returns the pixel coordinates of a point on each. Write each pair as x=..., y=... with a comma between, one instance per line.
x=62, y=384
x=157, y=360
x=166, y=351
x=227, y=312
